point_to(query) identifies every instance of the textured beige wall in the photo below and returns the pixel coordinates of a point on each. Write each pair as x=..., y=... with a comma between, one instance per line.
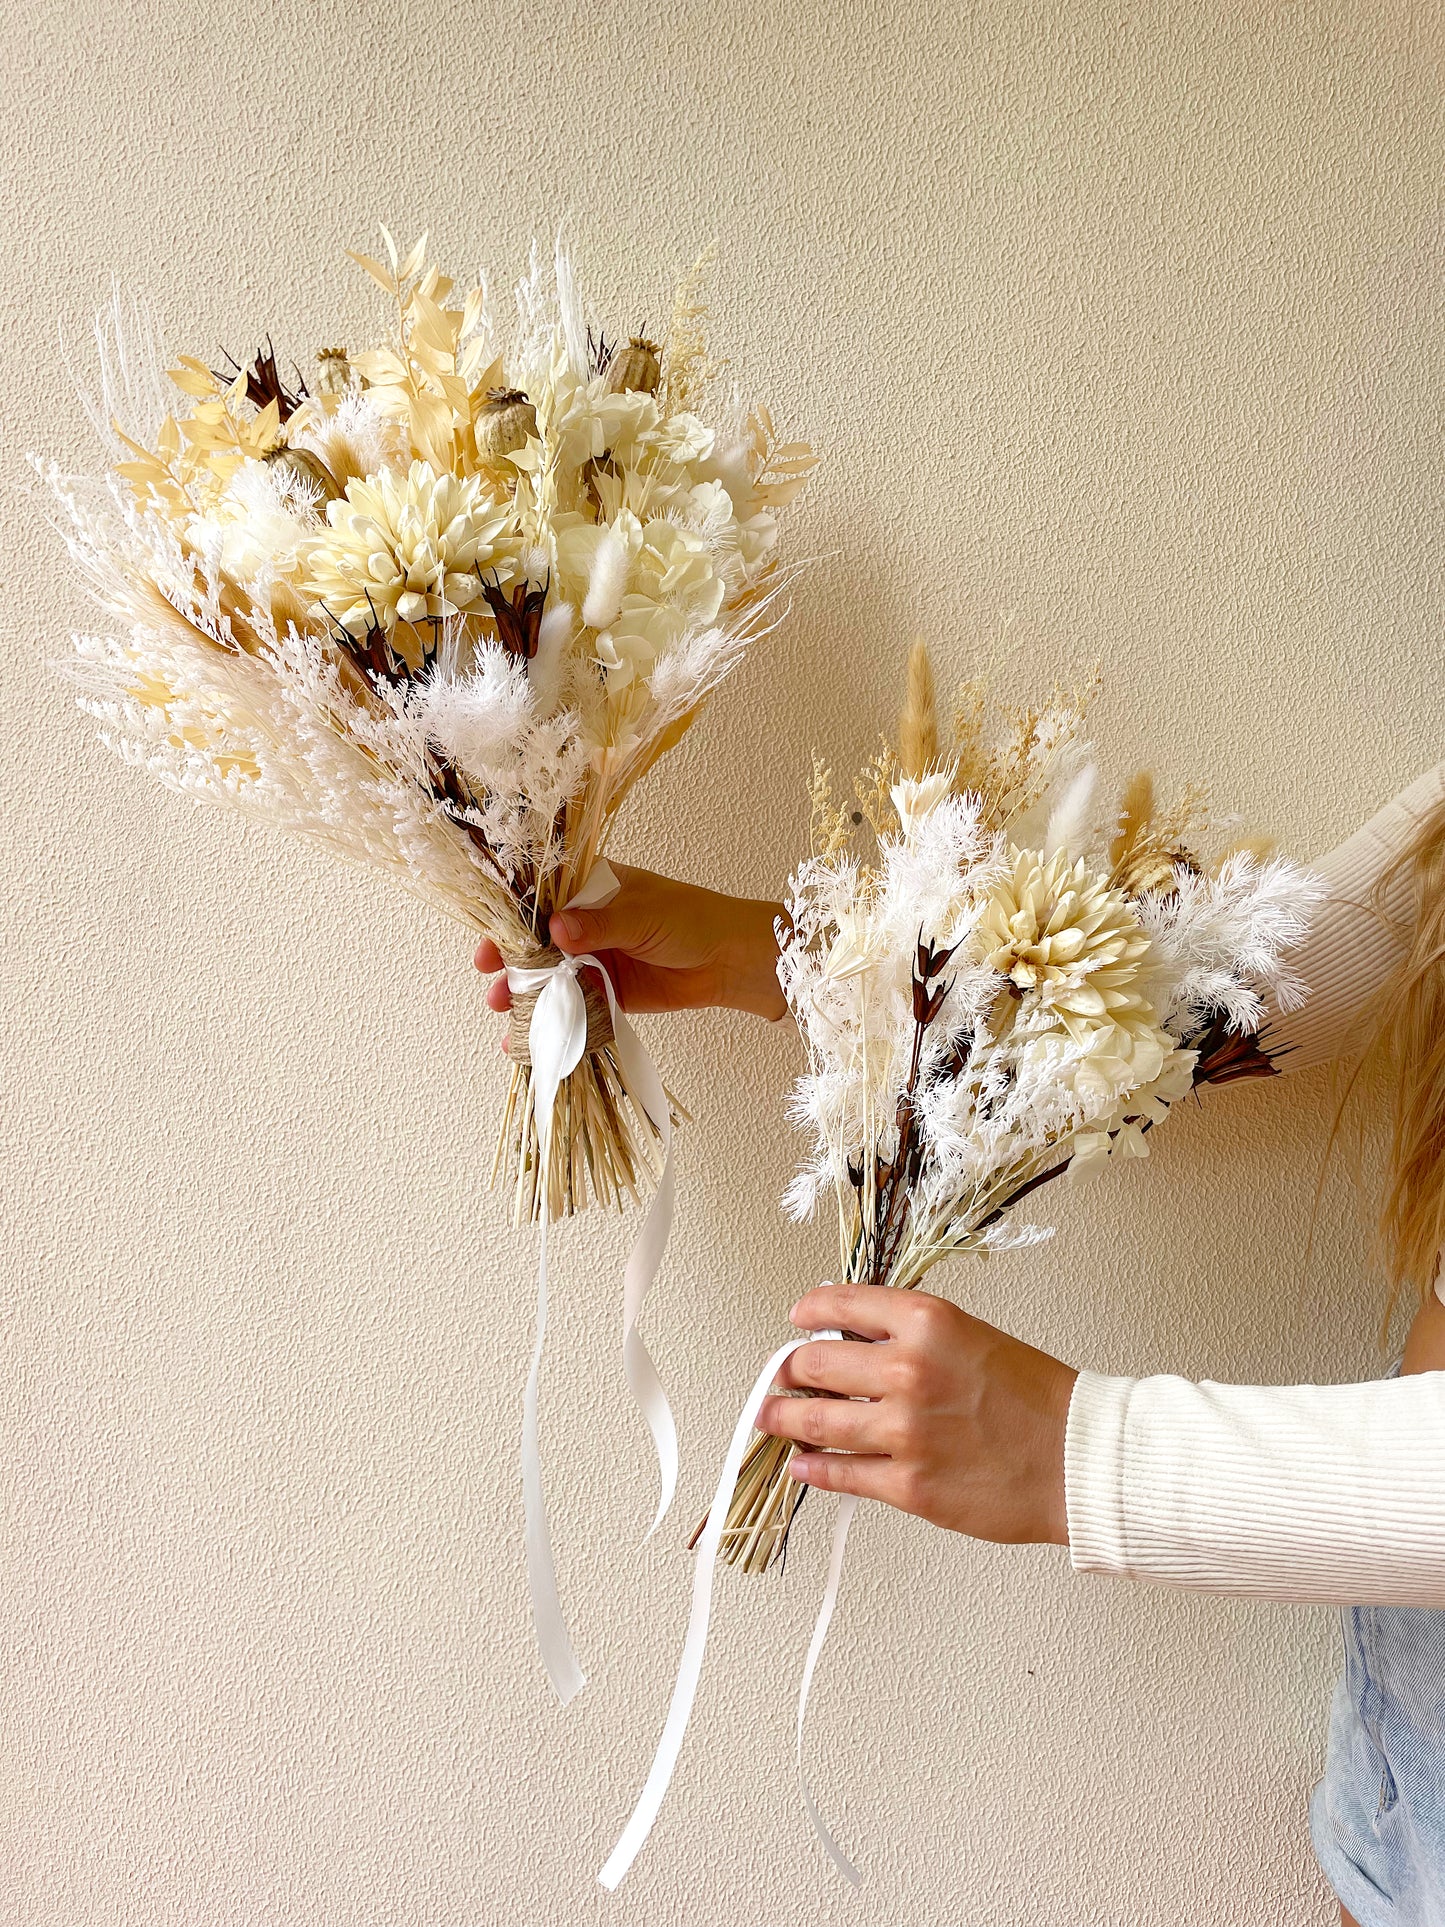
x=1120, y=321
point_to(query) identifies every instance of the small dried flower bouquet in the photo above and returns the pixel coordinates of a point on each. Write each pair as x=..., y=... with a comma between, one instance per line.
x=1011, y=984
x=438, y=612
x=1018, y=984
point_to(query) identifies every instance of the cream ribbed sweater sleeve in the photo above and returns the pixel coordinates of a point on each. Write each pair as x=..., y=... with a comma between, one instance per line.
x=1324, y=1493
x=1351, y=948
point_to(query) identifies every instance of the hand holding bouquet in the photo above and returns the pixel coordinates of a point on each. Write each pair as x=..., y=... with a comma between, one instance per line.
x=1019, y=984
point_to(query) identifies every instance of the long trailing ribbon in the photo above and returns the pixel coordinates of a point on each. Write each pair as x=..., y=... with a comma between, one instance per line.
x=649, y=1804
x=556, y=1039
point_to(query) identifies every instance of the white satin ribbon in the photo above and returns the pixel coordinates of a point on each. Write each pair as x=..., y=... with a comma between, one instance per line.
x=556, y=1039
x=654, y=1792
x=847, y=1506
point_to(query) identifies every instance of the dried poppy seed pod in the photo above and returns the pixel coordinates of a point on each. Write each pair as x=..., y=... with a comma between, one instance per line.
x=301, y=462
x=505, y=423
x=635, y=367
x=333, y=371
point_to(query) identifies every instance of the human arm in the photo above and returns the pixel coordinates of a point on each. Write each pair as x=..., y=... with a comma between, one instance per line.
x=1320, y=1493
x=669, y=946
x=1354, y=942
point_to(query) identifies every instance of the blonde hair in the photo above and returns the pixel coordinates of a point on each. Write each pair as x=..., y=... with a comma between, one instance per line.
x=1411, y=1032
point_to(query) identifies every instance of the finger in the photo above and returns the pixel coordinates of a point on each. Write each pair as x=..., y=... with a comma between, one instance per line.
x=834, y=1424
x=874, y=1311
x=869, y=1478
x=833, y=1365
x=499, y=997
x=629, y=922
x=488, y=958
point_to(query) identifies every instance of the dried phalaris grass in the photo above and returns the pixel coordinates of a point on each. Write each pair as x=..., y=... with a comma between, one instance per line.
x=918, y=721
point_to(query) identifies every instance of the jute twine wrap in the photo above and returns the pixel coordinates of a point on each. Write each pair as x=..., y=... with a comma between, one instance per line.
x=599, y=1018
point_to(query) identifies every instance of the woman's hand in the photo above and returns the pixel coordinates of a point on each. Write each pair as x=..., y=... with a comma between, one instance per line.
x=669, y=946
x=962, y=1424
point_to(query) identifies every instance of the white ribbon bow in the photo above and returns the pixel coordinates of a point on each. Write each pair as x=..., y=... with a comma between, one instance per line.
x=649, y=1804
x=556, y=1039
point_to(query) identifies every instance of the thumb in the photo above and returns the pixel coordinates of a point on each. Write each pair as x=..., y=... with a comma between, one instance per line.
x=624, y=924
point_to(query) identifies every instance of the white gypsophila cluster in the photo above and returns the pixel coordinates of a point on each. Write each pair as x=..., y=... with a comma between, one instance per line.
x=1060, y=1011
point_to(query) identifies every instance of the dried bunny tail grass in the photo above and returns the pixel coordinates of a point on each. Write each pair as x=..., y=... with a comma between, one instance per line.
x=918, y=721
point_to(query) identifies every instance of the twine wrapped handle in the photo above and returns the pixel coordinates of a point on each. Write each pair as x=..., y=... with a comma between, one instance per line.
x=599, y=1018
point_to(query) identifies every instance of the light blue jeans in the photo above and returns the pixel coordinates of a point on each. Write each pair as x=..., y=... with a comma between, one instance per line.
x=1377, y=1817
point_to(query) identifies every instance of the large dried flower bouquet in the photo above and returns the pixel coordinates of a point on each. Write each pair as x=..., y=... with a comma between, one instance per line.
x=439, y=611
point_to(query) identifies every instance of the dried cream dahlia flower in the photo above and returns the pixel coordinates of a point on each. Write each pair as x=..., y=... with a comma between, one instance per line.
x=1058, y=929
x=404, y=548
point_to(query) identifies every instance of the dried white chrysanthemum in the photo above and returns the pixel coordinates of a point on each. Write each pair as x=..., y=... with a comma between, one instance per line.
x=1057, y=928
x=404, y=549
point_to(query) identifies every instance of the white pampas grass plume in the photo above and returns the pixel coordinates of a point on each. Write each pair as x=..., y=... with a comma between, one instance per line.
x=607, y=581
x=1072, y=821
x=569, y=308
